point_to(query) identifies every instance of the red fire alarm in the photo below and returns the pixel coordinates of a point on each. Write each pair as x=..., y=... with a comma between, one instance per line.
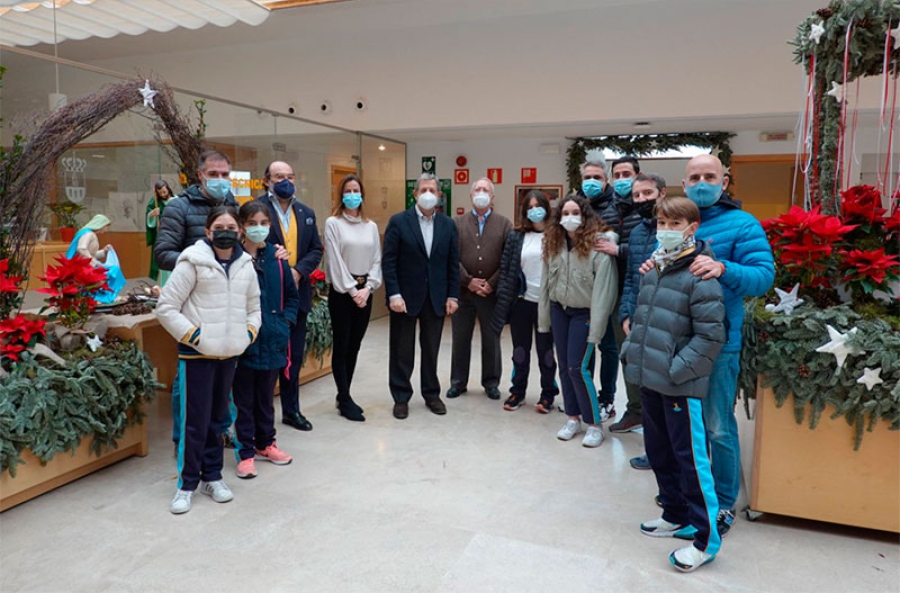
x=460, y=211
x=461, y=161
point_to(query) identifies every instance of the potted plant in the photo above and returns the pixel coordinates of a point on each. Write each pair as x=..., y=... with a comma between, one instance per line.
x=65, y=214
x=828, y=345
x=319, y=337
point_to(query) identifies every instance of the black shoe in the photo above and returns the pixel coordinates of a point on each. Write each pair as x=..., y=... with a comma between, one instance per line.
x=436, y=406
x=492, y=392
x=350, y=410
x=298, y=421
x=514, y=402
x=455, y=392
x=401, y=410
x=724, y=521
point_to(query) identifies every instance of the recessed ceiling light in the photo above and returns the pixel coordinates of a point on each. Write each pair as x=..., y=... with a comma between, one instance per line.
x=382, y=147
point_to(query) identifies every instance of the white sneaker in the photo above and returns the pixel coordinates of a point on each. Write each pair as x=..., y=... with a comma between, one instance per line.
x=593, y=437
x=182, y=502
x=689, y=558
x=218, y=490
x=607, y=411
x=662, y=528
x=567, y=432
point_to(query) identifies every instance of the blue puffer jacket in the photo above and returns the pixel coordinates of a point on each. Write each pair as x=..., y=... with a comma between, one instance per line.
x=278, y=300
x=641, y=245
x=739, y=242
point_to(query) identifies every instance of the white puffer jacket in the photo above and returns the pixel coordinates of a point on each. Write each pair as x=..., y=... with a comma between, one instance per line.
x=199, y=295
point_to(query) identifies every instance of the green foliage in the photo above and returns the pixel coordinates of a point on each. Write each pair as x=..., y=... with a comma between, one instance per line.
x=642, y=145
x=871, y=20
x=49, y=409
x=781, y=350
x=319, y=337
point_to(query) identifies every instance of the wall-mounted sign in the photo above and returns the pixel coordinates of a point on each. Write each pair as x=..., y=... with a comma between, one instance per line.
x=495, y=175
x=461, y=176
x=429, y=164
x=529, y=175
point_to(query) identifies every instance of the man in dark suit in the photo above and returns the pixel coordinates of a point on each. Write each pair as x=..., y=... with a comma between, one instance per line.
x=420, y=264
x=293, y=225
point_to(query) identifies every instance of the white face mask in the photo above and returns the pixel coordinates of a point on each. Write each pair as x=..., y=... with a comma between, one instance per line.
x=481, y=200
x=427, y=200
x=570, y=223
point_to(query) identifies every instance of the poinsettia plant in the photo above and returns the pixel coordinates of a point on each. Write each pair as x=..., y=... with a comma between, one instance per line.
x=10, y=291
x=319, y=337
x=18, y=334
x=856, y=251
x=72, y=285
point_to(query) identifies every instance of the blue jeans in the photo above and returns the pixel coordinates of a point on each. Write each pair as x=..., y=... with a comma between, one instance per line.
x=721, y=428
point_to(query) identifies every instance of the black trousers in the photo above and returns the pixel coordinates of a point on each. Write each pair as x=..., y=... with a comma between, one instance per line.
x=348, y=324
x=522, y=327
x=253, y=393
x=289, y=386
x=472, y=307
x=402, y=356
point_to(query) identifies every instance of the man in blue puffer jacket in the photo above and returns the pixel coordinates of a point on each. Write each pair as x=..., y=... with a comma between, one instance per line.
x=744, y=267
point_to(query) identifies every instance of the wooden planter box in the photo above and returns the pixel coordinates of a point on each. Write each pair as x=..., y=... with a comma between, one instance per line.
x=816, y=474
x=35, y=479
x=313, y=370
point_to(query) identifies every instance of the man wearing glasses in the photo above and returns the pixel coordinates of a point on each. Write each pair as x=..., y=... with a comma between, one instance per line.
x=294, y=227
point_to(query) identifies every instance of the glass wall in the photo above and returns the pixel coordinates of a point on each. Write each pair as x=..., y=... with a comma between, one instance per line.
x=113, y=171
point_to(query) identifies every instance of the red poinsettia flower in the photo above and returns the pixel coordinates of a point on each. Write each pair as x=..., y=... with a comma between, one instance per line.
x=863, y=203
x=8, y=283
x=18, y=333
x=317, y=276
x=892, y=224
x=872, y=266
x=71, y=286
x=829, y=229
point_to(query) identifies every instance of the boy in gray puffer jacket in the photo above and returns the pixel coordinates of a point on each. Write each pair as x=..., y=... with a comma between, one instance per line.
x=677, y=331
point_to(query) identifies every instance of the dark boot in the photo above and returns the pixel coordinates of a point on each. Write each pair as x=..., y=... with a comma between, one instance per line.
x=349, y=410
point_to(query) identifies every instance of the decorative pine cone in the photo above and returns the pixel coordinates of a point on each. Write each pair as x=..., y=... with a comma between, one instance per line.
x=803, y=371
x=763, y=336
x=825, y=13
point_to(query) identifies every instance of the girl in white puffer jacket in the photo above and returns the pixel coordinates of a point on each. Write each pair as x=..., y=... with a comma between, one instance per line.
x=210, y=305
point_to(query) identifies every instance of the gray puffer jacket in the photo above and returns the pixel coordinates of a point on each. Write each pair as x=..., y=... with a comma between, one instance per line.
x=183, y=224
x=677, y=330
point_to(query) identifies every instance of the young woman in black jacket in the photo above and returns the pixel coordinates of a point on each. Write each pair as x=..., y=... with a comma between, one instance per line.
x=518, y=292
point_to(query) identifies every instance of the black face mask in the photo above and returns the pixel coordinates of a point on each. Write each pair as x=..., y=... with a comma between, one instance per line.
x=224, y=239
x=645, y=209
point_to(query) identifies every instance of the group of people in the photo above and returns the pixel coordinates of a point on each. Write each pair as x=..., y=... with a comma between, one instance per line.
x=616, y=267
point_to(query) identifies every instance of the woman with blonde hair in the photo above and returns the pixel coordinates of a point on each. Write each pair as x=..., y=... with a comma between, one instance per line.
x=353, y=265
x=578, y=292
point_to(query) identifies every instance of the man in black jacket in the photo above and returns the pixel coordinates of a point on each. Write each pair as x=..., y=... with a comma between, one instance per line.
x=293, y=225
x=183, y=223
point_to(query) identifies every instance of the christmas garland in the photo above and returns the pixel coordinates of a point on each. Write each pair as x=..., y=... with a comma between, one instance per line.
x=821, y=46
x=642, y=145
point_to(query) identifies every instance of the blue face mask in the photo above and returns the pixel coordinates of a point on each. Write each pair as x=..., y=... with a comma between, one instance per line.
x=218, y=189
x=284, y=189
x=537, y=214
x=623, y=186
x=352, y=200
x=704, y=194
x=256, y=234
x=591, y=187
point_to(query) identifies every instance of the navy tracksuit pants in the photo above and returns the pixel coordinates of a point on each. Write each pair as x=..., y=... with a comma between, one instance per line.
x=522, y=326
x=675, y=440
x=253, y=392
x=205, y=387
x=570, y=333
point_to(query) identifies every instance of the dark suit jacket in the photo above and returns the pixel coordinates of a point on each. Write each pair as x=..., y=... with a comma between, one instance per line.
x=309, y=246
x=407, y=269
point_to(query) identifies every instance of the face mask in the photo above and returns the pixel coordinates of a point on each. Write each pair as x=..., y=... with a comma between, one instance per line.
x=704, y=194
x=623, y=187
x=224, y=239
x=570, y=223
x=218, y=189
x=257, y=234
x=427, y=200
x=284, y=189
x=591, y=187
x=481, y=200
x=352, y=200
x=645, y=209
x=537, y=214
x=670, y=240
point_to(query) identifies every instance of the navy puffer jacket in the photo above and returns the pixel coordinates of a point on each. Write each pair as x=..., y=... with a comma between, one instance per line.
x=183, y=224
x=640, y=248
x=677, y=330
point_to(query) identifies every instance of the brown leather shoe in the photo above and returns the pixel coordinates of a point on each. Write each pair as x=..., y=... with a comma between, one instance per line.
x=436, y=406
x=401, y=410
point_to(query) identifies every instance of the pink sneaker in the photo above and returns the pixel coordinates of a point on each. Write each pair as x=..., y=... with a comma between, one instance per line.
x=246, y=469
x=274, y=454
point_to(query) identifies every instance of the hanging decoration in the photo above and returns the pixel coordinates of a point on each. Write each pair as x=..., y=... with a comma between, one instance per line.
x=642, y=145
x=837, y=45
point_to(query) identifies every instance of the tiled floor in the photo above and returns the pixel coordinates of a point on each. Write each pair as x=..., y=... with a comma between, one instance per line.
x=477, y=500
